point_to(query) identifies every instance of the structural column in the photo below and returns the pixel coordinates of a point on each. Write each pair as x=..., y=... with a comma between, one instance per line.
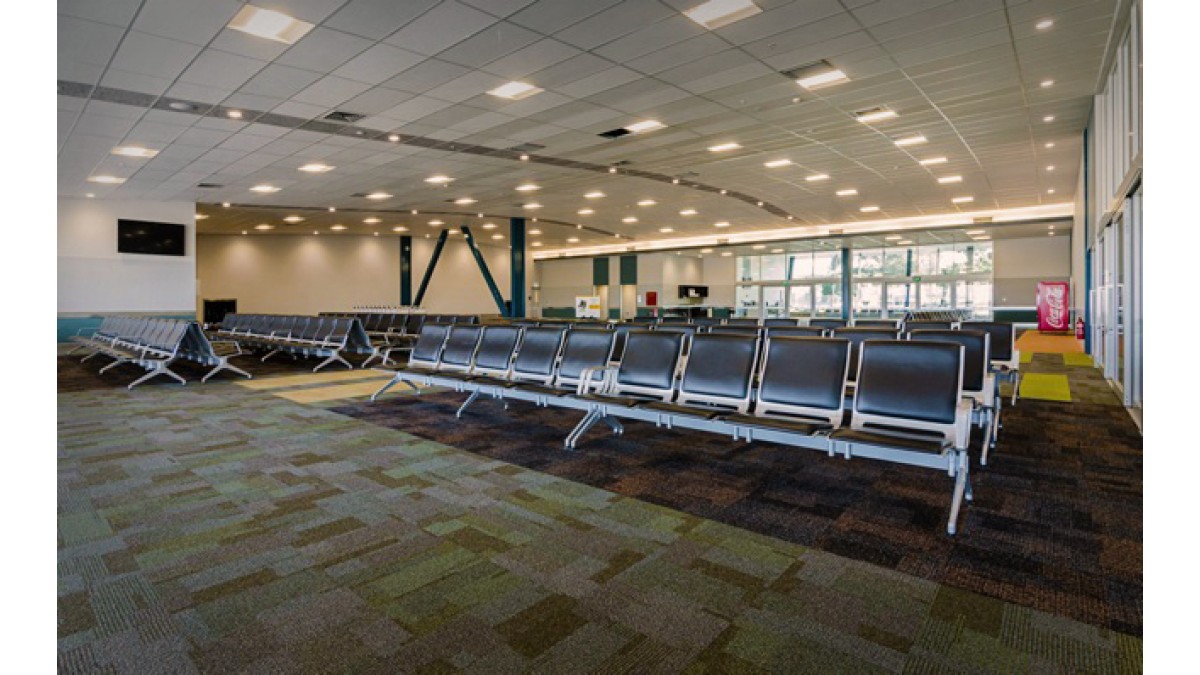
x=517, y=267
x=846, y=283
x=405, y=271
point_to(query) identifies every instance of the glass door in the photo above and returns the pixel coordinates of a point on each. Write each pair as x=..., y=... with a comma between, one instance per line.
x=774, y=302
x=866, y=300
x=800, y=301
x=900, y=298
x=747, y=302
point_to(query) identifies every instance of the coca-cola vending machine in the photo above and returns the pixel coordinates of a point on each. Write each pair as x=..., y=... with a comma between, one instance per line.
x=1053, y=307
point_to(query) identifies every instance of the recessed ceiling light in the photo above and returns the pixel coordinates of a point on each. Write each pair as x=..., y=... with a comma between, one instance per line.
x=688, y=212
x=337, y=228
x=489, y=226
x=675, y=181
x=1050, y=191
x=1051, y=228
x=716, y=13
x=1046, y=84
x=316, y=167
x=1049, y=145
x=706, y=250
x=264, y=226
x=316, y=232
x=962, y=200
x=723, y=223
x=760, y=203
x=527, y=187
x=536, y=243
x=270, y=24
x=572, y=240
x=399, y=228
x=245, y=232
x=905, y=242
x=377, y=196
x=983, y=238
x=776, y=250
x=723, y=147
x=106, y=179
x=758, y=247
x=894, y=237
x=464, y=201
x=395, y=138
x=612, y=169
x=665, y=230
x=92, y=195
x=264, y=189
x=869, y=209
x=975, y=232
x=1044, y=24
x=915, y=139
x=134, y=151
x=875, y=115
x=233, y=114
x=1050, y=168
x=531, y=205
x=414, y=212
x=595, y=194
x=847, y=192
x=945, y=180
x=1048, y=118
x=585, y=212
x=435, y=222
x=524, y=158
x=371, y=221
x=816, y=177
x=647, y=202
x=776, y=163
x=726, y=254
x=225, y=204
x=629, y=219
x=199, y=216
x=645, y=125
x=497, y=236
x=332, y=209
x=933, y=160
x=293, y=219
x=438, y=179
x=820, y=75
x=181, y=105
x=515, y=91
x=535, y=231
x=723, y=191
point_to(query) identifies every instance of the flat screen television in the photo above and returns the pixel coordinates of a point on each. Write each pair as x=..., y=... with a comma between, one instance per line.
x=693, y=291
x=141, y=236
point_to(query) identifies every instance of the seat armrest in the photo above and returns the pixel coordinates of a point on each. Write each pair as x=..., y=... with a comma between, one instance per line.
x=962, y=424
x=605, y=384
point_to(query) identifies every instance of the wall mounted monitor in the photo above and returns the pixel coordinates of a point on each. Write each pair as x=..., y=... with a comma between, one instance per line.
x=150, y=238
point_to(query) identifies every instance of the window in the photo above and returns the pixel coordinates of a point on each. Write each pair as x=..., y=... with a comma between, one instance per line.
x=827, y=300
x=774, y=268
x=827, y=264
x=867, y=263
x=896, y=262
x=867, y=300
x=748, y=268
x=801, y=265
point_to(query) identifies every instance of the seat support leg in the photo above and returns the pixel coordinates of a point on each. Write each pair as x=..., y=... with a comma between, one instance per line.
x=470, y=399
x=117, y=362
x=961, y=481
x=589, y=420
x=226, y=365
x=268, y=355
x=614, y=424
x=159, y=368
x=387, y=385
x=334, y=357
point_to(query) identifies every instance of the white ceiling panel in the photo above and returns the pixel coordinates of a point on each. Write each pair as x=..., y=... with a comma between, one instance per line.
x=446, y=24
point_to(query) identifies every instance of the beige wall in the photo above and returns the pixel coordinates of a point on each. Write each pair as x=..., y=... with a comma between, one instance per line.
x=1021, y=263
x=308, y=274
x=93, y=277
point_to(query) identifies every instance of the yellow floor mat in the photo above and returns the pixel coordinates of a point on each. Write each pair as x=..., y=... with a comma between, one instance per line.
x=334, y=392
x=1077, y=359
x=1026, y=357
x=285, y=381
x=1045, y=387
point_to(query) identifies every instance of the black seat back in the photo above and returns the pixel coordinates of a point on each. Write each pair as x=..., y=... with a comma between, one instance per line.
x=461, y=345
x=796, y=331
x=928, y=325
x=828, y=323
x=720, y=367
x=780, y=323
x=743, y=321
x=584, y=348
x=857, y=336
x=621, y=331
x=539, y=352
x=1000, y=334
x=706, y=321
x=807, y=372
x=650, y=360
x=976, y=358
x=910, y=379
x=735, y=330
x=496, y=347
x=413, y=323
x=428, y=347
x=876, y=323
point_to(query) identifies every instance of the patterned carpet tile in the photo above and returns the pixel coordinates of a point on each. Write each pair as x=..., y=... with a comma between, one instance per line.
x=218, y=529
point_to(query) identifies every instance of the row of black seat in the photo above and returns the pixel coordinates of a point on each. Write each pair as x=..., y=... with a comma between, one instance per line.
x=154, y=344
x=299, y=336
x=909, y=404
x=406, y=323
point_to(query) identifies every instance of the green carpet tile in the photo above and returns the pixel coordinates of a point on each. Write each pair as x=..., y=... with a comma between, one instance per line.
x=218, y=529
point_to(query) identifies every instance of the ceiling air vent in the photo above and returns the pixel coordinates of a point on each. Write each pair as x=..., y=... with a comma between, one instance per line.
x=344, y=117
x=981, y=219
x=621, y=162
x=527, y=147
x=615, y=133
x=209, y=186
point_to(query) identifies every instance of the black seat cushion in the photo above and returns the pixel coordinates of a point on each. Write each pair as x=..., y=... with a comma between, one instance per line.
x=626, y=401
x=676, y=409
x=774, y=423
x=935, y=446
x=539, y=389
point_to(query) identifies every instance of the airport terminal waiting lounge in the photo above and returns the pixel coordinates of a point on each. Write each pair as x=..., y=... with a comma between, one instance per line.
x=600, y=336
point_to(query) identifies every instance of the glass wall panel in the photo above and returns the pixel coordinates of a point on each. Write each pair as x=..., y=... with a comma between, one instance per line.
x=827, y=264
x=895, y=262
x=748, y=267
x=901, y=297
x=936, y=295
x=774, y=300
x=774, y=268
x=867, y=300
x=801, y=265
x=800, y=300
x=827, y=300
x=747, y=301
x=867, y=262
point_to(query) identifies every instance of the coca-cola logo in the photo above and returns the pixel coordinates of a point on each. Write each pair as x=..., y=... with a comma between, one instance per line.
x=1056, y=306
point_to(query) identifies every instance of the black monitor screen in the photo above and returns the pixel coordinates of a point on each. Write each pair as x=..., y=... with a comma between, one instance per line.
x=140, y=236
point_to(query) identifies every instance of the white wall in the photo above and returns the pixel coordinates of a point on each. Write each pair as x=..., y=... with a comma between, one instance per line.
x=562, y=280
x=94, y=278
x=719, y=275
x=305, y=274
